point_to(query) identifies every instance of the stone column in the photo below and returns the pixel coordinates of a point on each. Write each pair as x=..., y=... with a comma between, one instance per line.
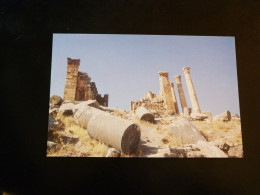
x=165, y=91
x=181, y=92
x=192, y=93
x=174, y=99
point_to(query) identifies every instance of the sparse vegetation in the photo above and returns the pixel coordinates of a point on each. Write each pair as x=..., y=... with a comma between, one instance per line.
x=211, y=130
x=86, y=146
x=120, y=113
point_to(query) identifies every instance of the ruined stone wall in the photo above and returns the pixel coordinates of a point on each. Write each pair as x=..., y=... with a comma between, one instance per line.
x=78, y=86
x=83, y=87
x=150, y=102
x=71, y=79
x=102, y=100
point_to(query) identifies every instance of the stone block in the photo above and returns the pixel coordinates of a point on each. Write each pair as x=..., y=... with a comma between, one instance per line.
x=225, y=116
x=188, y=133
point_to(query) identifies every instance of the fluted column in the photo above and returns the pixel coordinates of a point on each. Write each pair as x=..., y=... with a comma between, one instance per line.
x=181, y=92
x=191, y=90
x=165, y=91
x=174, y=99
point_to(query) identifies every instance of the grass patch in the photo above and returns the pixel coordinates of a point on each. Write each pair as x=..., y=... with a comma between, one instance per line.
x=120, y=113
x=86, y=146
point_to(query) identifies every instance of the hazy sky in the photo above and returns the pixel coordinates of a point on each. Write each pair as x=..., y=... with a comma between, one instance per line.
x=126, y=66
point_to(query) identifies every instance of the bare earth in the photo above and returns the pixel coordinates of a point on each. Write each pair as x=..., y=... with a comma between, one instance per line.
x=157, y=140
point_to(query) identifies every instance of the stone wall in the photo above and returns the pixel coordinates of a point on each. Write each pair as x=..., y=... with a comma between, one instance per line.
x=83, y=88
x=71, y=79
x=78, y=86
x=151, y=102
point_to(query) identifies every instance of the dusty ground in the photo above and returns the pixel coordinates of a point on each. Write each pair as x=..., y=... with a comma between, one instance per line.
x=156, y=139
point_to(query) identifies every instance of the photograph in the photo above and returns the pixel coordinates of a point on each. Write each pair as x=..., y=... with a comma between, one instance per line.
x=144, y=96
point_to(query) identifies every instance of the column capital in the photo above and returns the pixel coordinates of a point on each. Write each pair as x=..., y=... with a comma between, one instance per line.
x=163, y=74
x=186, y=70
x=172, y=84
x=178, y=78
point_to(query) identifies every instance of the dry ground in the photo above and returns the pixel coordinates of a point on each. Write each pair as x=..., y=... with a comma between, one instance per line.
x=156, y=139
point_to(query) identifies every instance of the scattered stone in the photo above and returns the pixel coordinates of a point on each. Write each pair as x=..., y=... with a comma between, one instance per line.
x=53, y=111
x=52, y=123
x=51, y=144
x=68, y=139
x=112, y=152
x=56, y=100
x=208, y=114
x=210, y=150
x=225, y=116
x=222, y=145
x=198, y=116
x=184, y=129
x=235, y=117
x=165, y=141
x=67, y=109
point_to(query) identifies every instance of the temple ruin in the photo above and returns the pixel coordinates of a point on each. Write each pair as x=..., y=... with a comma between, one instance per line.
x=166, y=100
x=78, y=86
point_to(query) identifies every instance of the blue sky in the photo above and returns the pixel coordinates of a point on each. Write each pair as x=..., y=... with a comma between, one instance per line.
x=126, y=66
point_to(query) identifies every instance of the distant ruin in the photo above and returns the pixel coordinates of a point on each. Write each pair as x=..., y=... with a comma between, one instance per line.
x=166, y=100
x=78, y=86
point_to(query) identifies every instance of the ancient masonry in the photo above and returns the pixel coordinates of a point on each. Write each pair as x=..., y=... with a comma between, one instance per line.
x=78, y=86
x=166, y=100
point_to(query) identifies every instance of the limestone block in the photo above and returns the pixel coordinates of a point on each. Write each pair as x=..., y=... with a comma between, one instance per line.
x=112, y=152
x=208, y=114
x=198, y=116
x=184, y=129
x=210, y=150
x=225, y=116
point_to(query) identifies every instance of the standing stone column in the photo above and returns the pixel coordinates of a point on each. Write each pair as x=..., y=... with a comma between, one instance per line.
x=174, y=99
x=165, y=91
x=191, y=90
x=181, y=92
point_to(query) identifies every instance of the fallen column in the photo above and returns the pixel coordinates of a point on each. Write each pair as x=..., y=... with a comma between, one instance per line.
x=84, y=114
x=143, y=114
x=116, y=132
